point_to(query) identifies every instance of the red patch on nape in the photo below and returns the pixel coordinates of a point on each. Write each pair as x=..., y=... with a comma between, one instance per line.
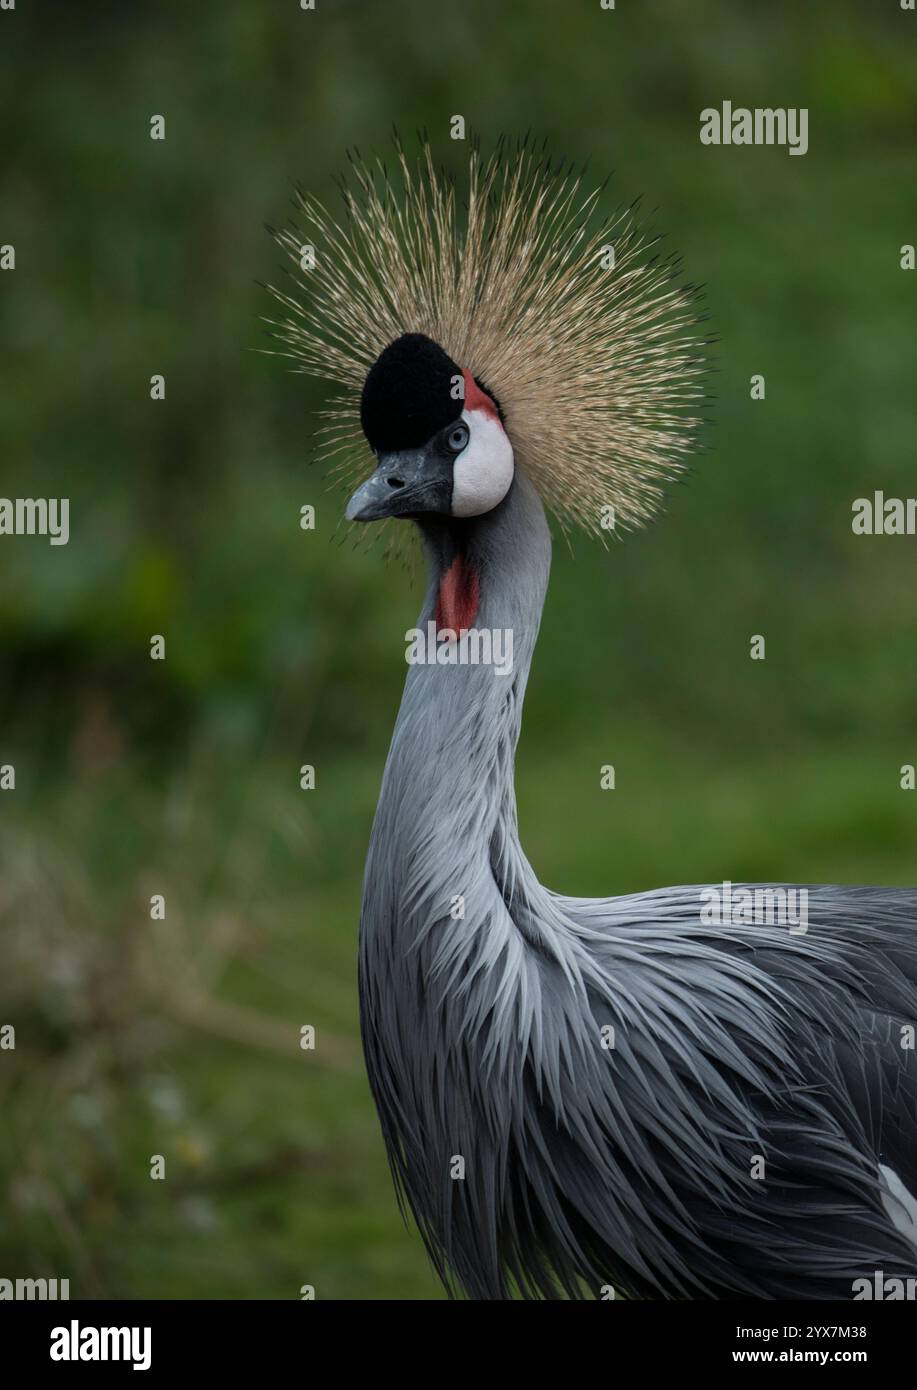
x=476, y=399
x=459, y=593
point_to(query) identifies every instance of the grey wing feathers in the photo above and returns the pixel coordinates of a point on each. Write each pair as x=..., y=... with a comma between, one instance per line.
x=744, y=1050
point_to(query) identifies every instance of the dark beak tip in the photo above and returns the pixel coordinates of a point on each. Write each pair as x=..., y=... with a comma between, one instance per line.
x=366, y=504
x=359, y=513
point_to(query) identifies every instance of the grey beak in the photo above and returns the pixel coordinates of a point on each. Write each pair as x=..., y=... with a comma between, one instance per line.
x=405, y=484
x=372, y=499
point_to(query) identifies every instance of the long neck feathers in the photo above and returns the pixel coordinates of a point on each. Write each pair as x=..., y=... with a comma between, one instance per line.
x=451, y=908
x=445, y=837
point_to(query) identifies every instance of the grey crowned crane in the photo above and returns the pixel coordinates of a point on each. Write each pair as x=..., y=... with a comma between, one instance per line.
x=575, y=1093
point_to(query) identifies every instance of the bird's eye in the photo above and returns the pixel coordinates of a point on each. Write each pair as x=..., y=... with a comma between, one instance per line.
x=457, y=437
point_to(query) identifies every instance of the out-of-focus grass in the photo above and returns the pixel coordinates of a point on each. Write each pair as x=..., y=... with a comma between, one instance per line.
x=180, y=1038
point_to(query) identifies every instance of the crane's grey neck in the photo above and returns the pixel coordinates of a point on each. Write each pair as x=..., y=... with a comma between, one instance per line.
x=445, y=838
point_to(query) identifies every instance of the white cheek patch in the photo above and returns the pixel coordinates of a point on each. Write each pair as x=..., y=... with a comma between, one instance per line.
x=483, y=470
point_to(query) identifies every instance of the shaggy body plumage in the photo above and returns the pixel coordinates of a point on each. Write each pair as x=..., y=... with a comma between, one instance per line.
x=628, y=1166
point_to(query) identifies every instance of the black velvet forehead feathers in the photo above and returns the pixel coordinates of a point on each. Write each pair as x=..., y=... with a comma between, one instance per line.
x=409, y=394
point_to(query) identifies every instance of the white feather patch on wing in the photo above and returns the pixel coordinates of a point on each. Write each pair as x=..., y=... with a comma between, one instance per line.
x=900, y=1204
x=483, y=470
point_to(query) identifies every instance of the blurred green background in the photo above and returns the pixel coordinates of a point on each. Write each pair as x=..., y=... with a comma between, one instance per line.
x=134, y=777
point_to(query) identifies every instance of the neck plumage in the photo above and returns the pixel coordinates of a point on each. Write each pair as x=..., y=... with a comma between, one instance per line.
x=458, y=939
x=445, y=838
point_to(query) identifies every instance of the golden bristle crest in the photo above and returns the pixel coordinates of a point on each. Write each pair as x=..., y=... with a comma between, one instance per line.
x=586, y=338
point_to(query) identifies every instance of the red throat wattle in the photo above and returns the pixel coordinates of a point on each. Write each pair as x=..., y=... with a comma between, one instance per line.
x=459, y=592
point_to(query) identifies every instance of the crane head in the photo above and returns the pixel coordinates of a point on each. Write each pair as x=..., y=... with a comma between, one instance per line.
x=437, y=433
x=500, y=321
